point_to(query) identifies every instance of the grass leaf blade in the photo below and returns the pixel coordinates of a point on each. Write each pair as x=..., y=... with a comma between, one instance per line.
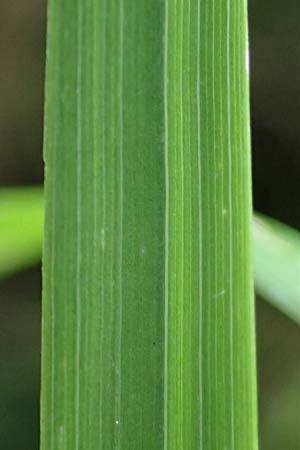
x=148, y=318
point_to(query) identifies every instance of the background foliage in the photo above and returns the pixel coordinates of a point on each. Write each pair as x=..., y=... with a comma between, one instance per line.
x=275, y=69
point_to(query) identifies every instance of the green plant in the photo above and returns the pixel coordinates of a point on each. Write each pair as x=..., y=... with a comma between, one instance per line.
x=148, y=328
x=148, y=323
x=150, y=243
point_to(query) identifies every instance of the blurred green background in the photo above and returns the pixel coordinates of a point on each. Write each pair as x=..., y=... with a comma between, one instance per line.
x=275, y=97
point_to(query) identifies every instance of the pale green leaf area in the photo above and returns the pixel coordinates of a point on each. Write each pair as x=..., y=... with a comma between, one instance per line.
x=148, y=311
x=277, y=264
x=21, y=228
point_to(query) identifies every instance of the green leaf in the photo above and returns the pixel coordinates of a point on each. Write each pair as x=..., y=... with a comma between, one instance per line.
x=148, y=315
x=277, y=264
x=21, y=228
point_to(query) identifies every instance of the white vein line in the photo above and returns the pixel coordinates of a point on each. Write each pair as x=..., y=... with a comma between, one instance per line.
x=206, y=75
x=52, y=298
x=94, y=135
x=113, y=142
x=65, y=406
x=167, y=225
x=182, y=224
x=78, y=218
x=237, y=115
x=114, y=218
x=95, y=168
x=103, y=224
x=95, y=141
x=228, y=56
x=215, y=290
x=175, y=265
x=200, y=225
x=241, y=80
x=88, y=292
x=191, y=234
x=118, y=412
x=222, y=247
x=240, y=120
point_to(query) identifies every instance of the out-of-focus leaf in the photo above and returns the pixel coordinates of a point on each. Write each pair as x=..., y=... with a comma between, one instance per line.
x=277, y=265
x=21, y=228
